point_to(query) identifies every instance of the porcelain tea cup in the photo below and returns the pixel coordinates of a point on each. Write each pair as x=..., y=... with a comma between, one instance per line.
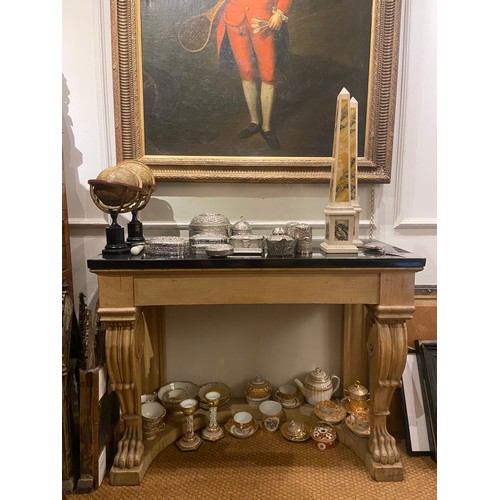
x=244, y=421
x=153, y=415
x=271, y=413
x=289, y=396
x=287, y=392
x=146, y=398
x=361, y=420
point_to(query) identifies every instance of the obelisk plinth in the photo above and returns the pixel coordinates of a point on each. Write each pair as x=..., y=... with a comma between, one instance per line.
x=340, y=214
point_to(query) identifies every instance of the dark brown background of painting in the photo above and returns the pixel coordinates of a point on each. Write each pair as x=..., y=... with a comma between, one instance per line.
x=194, y=106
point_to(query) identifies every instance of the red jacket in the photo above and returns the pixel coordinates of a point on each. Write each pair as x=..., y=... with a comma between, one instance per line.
x=235, y=11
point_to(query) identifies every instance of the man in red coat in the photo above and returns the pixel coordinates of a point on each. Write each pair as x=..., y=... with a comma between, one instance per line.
x=250, y=27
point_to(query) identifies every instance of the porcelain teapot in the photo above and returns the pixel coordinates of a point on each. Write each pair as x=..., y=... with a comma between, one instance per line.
x=318, y=386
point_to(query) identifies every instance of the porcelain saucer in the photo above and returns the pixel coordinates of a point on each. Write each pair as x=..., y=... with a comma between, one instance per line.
x=235, y=431
x=290, y=403
x=330, y=411
x=347, y=405
x=221, y=388
x=352, y=427
x=303, y=437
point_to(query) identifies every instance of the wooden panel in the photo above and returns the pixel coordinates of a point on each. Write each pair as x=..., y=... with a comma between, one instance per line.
x=154, y=317
x=264, y=287
x=354, y=353
x=397, y=288
x=116, y=291
x=423, y=326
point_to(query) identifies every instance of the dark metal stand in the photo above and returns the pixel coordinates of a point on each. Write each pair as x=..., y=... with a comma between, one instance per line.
x=115, y=238
x=134, y=230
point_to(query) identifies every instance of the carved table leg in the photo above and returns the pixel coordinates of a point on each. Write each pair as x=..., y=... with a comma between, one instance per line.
x=387, y=350
x=124, y=347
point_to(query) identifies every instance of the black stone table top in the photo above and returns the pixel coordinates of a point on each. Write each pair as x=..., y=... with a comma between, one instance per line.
x=393, y=257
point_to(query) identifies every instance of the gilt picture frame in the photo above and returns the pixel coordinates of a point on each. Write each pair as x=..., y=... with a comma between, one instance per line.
x=179, y=112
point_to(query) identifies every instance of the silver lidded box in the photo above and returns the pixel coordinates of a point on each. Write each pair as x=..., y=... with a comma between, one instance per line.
x=242, y=227
x=280, y=245
x=247, y=243
x=167, y=246
x=200, y=241
x=210, y=223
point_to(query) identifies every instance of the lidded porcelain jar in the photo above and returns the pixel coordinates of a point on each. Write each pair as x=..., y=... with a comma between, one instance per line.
x=357, y=395
x=258, y=390
x=357, y=392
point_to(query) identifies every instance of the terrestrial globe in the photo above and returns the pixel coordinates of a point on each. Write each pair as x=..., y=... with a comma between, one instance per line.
x=116, y=190
x=134, y=227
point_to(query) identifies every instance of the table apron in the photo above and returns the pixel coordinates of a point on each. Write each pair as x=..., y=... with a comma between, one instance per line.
x=262, y=288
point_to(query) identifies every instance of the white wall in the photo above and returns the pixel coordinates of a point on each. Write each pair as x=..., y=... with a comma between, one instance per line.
x=405, y=209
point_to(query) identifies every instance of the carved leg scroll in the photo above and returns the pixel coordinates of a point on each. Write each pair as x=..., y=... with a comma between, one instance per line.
x=387, y=350
x=124, y=345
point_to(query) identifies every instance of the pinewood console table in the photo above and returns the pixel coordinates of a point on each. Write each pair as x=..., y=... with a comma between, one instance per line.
x=378, y=291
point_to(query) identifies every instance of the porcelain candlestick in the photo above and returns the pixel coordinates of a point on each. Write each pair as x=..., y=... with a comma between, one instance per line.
x=190, y=441
x=212, y=432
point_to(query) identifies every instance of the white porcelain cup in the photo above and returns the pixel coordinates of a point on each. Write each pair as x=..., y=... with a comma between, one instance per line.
x=153, y=415
x=361, y=420
x=152, y=409
x=287, y=391
x=243, y=421
x=271, y=413
x=146, y=398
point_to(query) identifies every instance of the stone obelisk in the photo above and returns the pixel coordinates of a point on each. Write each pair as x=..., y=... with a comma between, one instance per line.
x=353, y=134
x=340, y=214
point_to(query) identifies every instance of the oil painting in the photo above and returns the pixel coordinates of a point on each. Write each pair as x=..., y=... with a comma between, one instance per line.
x=246, y=89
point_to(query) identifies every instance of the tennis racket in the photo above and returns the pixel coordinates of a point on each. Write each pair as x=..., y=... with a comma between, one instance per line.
x=195, y=31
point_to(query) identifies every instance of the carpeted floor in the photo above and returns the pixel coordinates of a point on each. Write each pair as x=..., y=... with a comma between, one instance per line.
x=266, y=466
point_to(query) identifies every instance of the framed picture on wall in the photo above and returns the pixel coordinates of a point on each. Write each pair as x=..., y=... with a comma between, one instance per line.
x=183, y=103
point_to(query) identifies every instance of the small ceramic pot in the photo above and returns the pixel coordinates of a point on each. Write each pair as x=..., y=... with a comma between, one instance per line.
x=323, y=435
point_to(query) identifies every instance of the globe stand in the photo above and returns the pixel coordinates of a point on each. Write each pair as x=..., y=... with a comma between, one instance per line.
x=134, y=230
x=126, y=187
x=115, y=238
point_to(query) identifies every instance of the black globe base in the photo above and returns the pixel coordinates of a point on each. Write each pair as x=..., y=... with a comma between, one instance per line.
x=115, y=241
x=135, y=234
